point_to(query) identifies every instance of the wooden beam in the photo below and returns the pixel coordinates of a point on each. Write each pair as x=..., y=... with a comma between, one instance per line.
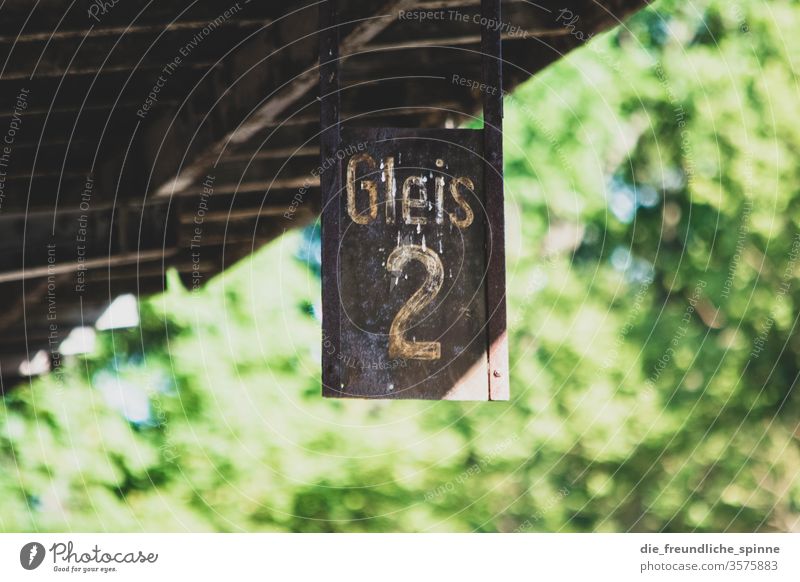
x=72, y=92
x=71, y=267
x=132, y=30
x=472, y=39
x=67, y=16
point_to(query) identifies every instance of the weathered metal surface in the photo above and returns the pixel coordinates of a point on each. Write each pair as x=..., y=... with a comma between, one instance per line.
x=411, y=281
x=413, y=258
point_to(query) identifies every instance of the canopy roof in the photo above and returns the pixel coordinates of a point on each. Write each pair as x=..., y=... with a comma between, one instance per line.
x=138, y=136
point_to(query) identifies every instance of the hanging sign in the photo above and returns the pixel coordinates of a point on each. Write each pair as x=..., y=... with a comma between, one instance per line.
x=413, y=256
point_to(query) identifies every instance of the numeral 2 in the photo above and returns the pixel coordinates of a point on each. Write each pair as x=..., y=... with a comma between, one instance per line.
x=399, y=346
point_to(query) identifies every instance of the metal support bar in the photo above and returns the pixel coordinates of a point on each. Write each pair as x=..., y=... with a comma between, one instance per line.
x=330, y=139
x=492, y=71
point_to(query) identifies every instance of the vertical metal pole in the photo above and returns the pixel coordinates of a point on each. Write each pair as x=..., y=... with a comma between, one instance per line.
x=492, y=72
x=330, y=184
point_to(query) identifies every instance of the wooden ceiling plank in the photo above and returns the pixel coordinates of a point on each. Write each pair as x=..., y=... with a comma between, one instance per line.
x=271, y=109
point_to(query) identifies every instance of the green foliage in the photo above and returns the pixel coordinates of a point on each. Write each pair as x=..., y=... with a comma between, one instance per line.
x=653, y=203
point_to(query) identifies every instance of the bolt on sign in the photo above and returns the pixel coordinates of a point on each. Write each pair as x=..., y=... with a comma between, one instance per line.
x=413, y=251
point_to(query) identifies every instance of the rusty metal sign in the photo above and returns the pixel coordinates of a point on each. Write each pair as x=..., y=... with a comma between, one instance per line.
x=413, y=251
